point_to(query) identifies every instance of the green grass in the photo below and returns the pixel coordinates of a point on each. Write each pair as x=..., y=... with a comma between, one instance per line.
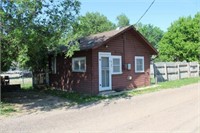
x=25, y=83
x=77, y=98
x=74, y=97
x=165, y=85
x=6, y=109
x=26, y=86
x=153, y=80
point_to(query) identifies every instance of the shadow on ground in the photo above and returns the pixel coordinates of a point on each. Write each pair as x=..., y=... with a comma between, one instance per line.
x=30, y=101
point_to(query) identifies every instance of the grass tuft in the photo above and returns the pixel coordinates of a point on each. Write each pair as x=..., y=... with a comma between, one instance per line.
x=6, y=109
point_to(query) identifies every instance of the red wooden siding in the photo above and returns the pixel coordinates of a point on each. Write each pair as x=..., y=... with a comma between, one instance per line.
x=67, y=80
x=128, y=45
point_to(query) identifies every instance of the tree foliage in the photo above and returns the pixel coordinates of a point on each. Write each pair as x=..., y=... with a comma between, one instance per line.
x=123, y=20
x=182, y=40
x=92, y=23
x=29, y=28
x=152, y=33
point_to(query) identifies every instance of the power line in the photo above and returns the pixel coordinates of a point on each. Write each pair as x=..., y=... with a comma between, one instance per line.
x=145, y=12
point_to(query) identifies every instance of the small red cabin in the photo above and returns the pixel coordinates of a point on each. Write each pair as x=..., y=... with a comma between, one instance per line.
x=113, y=60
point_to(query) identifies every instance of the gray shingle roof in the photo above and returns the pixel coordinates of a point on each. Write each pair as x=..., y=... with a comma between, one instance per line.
x=96, y=40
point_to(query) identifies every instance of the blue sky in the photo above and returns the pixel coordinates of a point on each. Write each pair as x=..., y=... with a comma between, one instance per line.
x=161, y=14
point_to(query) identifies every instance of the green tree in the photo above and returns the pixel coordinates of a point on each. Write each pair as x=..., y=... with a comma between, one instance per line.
x=29, y=28
x=152, y=33
x=92, y=23
x=123, y=20
x=182, y=40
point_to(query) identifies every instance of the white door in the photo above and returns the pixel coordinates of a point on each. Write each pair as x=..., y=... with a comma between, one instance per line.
x=105, y=82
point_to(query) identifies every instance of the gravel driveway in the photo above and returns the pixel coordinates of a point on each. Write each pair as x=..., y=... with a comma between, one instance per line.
x=172, y=110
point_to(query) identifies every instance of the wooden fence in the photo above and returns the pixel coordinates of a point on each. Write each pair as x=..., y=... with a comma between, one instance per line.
x=40, y=79
x=166, y=71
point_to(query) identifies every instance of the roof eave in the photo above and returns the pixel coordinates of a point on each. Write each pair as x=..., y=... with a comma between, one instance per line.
x=154, y=51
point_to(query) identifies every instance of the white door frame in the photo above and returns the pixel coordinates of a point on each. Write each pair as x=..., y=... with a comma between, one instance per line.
x=105, y=54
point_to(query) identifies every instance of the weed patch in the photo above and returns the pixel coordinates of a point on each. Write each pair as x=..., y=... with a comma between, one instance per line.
x=6, y=108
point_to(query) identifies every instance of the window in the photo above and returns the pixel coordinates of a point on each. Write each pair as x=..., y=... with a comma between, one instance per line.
x=139, y=64
x=117, y=64
x=53, y=65
x=79, y=64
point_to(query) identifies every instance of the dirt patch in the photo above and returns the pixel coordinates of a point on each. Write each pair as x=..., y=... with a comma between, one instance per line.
x=26, y=102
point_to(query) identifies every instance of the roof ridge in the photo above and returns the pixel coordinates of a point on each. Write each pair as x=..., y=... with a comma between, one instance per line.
x=121, y=29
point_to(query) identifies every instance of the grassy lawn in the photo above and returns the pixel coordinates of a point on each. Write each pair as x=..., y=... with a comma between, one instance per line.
x=80, y=99
x=26, y=86
x=24, y=82
x=165, y=85
x=6, y=109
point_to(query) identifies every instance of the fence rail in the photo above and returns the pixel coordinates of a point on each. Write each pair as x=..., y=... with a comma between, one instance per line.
x=166, y=71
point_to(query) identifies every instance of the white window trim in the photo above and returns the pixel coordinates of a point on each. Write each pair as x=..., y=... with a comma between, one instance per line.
x=120, y=61
x=139, y=57
x=78, y=59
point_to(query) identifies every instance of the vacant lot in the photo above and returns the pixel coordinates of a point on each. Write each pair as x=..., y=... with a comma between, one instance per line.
x=172, y=110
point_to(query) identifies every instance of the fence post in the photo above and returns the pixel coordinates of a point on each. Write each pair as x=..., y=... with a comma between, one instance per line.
x=155, y=73
x=188, y=65
x=198, y=71
x=165, y=68
x=178, y=70
x=47, y=75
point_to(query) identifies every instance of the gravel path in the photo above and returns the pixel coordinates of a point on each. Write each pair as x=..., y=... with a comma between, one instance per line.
x=172, y=110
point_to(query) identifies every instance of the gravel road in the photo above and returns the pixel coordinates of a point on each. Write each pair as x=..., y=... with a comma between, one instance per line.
x=166, y=111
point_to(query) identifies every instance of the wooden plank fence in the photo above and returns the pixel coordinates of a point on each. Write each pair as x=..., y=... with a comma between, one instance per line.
x=167, y=71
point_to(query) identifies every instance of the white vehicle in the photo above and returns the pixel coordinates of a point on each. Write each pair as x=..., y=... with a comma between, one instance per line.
x=13, y=74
